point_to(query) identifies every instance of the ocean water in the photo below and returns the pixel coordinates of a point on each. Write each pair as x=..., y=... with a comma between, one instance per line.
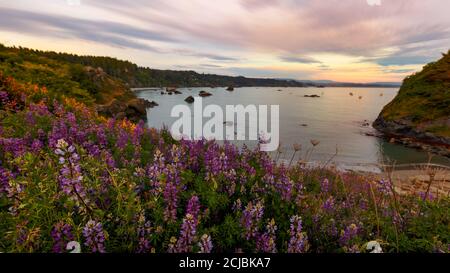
x=335, y=119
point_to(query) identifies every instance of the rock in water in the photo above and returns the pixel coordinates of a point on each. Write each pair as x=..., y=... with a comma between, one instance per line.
x=204, y=94
x=189, y=99
x=150, y=104
x=134, y=109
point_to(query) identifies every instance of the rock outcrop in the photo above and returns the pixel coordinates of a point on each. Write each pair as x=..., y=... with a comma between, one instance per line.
x=419, y=116
x=134, y=110
x=204, y=94
x=189, y=99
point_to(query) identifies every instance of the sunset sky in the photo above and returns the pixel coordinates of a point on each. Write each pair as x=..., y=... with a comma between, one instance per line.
x=341, y=40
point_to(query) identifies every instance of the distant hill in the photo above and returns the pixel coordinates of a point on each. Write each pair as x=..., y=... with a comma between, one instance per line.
x=421, y=110
x=135, y=76
x=90, y=85
x=328, y=83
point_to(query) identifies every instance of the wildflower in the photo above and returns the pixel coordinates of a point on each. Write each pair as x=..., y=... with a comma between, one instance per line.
x=237, y=205
x=193, y=207
x=267, y=242
x=251, y=217
x=61, y=234
x=70, y=178
x=187, y=234
x=95, y=236
x=284, y=186
x=348, y=234
x=325, y=185
x=328, y=205
x=205, y=244
x=298, y=242
x=171, y=198
x=384, y=186
x=426, y=196
x=172, y=245
x=4, y=99
x=144, y=230
x=5, y=176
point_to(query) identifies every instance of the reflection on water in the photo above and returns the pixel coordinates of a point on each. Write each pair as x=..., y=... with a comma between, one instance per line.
x=336, y=119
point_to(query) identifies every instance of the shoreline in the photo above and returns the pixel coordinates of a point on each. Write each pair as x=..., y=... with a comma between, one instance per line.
x=158, y=88
x=396, y=132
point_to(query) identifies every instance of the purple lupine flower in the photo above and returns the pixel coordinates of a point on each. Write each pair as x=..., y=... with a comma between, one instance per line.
x=137, y=133
x=122, y=140
x=102, y=139
x=328, y=205
x=61, y=234
x=36, y=146
x=70, y=178
x=4, y=99
x=187, y=234
x=205, y=244
x=59, y=131
x=426, y=197
x=15, y=146
x=237, y=205
x=325, y=185
x=251, y=217
x=348, y=234
x=363, y=204
x=221, y=163
x=299, y=192
x=193, y=206
x=171, y=197
x=95, y=237
x=298, y=242
x=5, y=176
x=172, y=247
x=384, y=186
x=29, y=118
x=284, y=185
x=109, y=159
x=144, y=231
x=39, y=109
x=267, y=241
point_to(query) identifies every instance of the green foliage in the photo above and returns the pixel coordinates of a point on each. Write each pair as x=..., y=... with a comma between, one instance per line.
x=424, y=98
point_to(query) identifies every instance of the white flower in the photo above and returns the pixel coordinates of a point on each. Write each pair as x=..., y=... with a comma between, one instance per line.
x=61, y=144
x=74, y=247
x=374, y=246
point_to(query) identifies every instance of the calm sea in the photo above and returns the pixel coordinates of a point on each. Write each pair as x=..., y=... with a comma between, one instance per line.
x=336, y=119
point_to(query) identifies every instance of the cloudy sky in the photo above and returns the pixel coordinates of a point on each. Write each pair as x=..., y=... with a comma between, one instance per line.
x=342, y=40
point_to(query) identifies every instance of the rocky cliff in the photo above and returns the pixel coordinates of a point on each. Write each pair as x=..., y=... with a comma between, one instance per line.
x=420, y=114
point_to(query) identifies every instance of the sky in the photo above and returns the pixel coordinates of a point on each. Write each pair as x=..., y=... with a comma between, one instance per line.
x=340, y=40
